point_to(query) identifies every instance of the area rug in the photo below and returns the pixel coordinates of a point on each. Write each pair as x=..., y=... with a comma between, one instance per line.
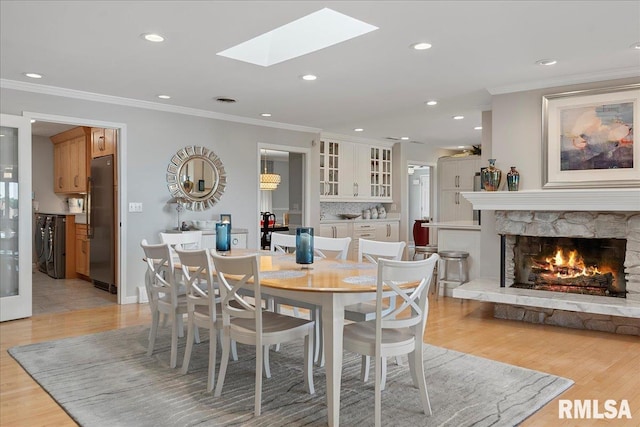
x=106, y=379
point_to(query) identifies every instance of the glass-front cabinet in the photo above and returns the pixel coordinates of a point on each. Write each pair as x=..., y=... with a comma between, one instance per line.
x=351, y=171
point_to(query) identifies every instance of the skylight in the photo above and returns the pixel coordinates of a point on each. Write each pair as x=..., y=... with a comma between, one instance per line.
x=308, y=34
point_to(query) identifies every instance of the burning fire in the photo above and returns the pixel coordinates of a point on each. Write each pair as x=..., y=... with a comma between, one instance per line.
x=569, y=266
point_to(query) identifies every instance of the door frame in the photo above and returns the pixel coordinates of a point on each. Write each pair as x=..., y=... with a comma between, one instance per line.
x=433, y=187
x=306, y=197
x=21, y=305
x=121, y=128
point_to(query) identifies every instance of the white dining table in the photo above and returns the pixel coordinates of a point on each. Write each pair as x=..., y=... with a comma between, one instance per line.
x=332, y=285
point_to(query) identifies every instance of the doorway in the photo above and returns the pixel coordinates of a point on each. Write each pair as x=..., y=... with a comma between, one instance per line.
x=288, y=200
x=45, y=199
x=420, y=184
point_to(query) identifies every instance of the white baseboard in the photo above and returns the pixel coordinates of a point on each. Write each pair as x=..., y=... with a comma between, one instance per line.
x=142, y=295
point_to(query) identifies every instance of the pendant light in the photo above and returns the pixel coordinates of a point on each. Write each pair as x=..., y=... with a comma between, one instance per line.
x=268, y=181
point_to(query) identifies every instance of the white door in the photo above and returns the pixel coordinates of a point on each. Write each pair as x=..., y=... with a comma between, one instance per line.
x=15, y=217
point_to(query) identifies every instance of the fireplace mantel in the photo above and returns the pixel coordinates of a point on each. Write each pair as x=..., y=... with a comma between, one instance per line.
x=601, y=199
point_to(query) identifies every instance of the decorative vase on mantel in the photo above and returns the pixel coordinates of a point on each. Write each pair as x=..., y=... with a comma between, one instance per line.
x=513, y=179
x=491, y=176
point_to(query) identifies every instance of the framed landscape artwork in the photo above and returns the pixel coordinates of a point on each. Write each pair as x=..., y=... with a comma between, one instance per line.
x=587, y=138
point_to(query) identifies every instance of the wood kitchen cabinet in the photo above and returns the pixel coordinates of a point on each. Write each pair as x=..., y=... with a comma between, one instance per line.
x=82, y=250
x=70, y=158
x=103, y=142
x=386, y=231
x=355, y=171
x=455, y=175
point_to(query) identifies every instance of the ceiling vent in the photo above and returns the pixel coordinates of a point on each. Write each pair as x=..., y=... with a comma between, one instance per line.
x=225, y=100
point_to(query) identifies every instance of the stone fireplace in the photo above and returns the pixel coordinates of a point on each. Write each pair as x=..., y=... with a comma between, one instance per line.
x=604, y=224
x=609, y=240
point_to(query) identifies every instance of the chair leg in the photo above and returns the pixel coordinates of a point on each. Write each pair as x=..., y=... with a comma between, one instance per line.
x=211, y=375
x=174, y=341
x=188, y=347
x=364, y=368
x=197, y=335
x=308, y=364
x=378, y=390
x=234, y=351
x=155, y=319
x=267, y=369
x=180, y=321
x=224, y=361
x=422, y=384
x=258, y=391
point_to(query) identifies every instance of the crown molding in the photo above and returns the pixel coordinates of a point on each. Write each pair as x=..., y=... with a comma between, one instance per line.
x=566, y=80
x=148, y=105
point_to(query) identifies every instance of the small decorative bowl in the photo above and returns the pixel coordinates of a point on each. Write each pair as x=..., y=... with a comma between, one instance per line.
x=349, y=216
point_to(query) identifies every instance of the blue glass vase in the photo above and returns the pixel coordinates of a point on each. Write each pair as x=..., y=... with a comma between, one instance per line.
x=223, y=237
x=304, y=245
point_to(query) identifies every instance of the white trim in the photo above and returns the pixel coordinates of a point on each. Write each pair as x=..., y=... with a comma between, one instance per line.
x=566, y=80
x=605, y=199
x=129, y=102
x=122, y=187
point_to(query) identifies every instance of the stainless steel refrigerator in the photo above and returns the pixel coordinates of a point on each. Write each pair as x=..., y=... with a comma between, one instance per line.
x=100, y=226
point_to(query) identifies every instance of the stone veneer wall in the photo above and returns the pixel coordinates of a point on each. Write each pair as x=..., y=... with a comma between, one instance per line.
x=569, y=319
x=606, y=225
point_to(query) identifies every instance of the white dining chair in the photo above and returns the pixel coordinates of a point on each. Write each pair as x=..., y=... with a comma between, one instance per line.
x=248, y=323
x=331, y=247
x=163, y=293
x=283, y=243
x=372, y=251
x=391, y=334
x=184, y=240
x=203, y=306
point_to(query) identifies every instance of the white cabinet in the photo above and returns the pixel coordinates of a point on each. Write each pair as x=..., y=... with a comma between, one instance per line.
x=238, y=240
x=354, y=171
x=456, y=174
x=388, y=231
x=385, y=231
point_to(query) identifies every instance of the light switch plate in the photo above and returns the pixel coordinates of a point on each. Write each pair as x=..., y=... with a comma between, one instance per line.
x=135, y=207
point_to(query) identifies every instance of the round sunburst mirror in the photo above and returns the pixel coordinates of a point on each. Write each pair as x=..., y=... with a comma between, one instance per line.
x=196, y=177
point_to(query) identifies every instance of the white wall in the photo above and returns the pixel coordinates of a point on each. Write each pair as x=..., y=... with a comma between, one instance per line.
x=42, y=183
x=153, y=137
x=516, y=140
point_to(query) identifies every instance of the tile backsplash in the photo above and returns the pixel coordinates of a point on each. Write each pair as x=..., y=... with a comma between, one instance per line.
x=331, y=210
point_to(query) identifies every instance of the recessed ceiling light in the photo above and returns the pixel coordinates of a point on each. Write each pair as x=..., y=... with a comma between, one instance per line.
x=477, y=128
x=33, y=75
x=358, y=130
x=636, y=45
x=431, y=103
x=151, y=37
x=546, y=62
x=421, y=46
x=404, y=138
x=33, y=120
x=164, y=97
x=460, y=146
x=266, y=114
x=309, y=77
x=458, y=117
x=312, y=32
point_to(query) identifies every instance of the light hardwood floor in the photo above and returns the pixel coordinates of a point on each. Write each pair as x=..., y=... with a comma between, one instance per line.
x=603, y=366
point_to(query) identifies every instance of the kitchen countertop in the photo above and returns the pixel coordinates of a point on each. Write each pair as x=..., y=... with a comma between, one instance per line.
x=213, y=231
x=360, y=220
x=453, y=225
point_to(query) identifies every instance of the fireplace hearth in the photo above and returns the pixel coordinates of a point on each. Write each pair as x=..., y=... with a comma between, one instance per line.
x=573, y=265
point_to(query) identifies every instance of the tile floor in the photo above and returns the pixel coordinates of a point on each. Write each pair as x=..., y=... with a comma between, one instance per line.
x=57, y=295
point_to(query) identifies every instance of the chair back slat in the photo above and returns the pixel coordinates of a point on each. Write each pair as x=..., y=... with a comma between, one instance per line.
x=283, y=243
x=197, y=269
x=336, y=246
x=160, y=276
x=234, y=275
x=392, y=276
x=372, y=250
x=184, y=240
